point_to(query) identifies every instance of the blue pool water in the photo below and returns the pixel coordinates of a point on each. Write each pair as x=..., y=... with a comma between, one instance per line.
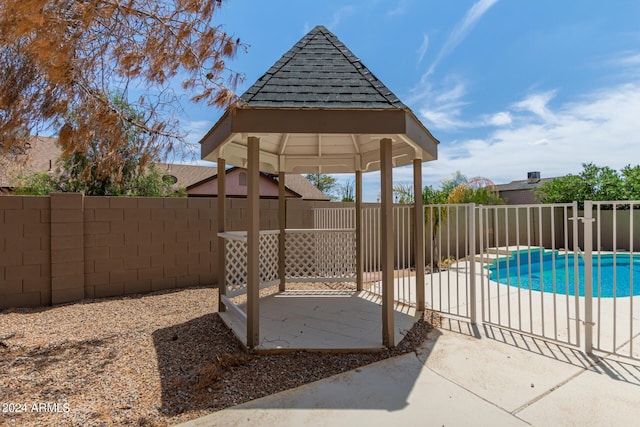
x=538, y=273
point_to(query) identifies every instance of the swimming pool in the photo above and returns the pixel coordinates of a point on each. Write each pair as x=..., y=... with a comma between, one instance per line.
x=538, y=273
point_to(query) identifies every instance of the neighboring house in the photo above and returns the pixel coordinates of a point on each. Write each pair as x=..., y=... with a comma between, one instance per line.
x=296, y=186
x=40, y=156
x=521, y=192
x=43, y=152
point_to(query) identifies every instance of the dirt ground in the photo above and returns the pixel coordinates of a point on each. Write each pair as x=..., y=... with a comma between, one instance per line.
x=147, y=360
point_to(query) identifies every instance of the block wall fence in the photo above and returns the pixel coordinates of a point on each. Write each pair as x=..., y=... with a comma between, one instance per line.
x=67, y=247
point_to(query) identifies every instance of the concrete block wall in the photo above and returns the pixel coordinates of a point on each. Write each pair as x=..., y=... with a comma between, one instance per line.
x=137, y=244
x=25, y=255
x=237, y=214
x=67, y=247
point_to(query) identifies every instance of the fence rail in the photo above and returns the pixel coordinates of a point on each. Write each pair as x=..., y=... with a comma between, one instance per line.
x=616, y=298
x=521, y=249
x=557, y=271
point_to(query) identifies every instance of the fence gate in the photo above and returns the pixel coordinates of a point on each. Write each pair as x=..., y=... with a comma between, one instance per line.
x=530, y=270
x=610, y=238
x=450, y=270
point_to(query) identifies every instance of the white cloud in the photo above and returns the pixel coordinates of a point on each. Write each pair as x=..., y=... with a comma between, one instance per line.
x=196, y=129
x=443, y=109
x=458, y=34
x=422, y=50
x=502, y=118
x=625, y=59
x=537, y=104
x=601, y=127
x=339, y=16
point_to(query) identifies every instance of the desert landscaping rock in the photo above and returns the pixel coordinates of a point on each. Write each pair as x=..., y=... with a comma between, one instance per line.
x=156, y=359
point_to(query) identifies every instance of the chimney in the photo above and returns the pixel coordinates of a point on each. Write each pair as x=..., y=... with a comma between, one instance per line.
x=533, y=177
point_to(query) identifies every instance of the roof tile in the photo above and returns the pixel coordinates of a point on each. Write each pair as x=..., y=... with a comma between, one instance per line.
x=320, y=72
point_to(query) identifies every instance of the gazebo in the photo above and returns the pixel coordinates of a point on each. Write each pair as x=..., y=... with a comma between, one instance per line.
x=318, y=109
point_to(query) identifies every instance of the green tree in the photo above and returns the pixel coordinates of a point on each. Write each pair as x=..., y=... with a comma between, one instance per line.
x=348, y=192
x=631, y=182
x=448, y=184
x=478, y=190
x=457, y=189
x=592, y=183
x=325, y=183
x=149, y=183
x=123, y=171
x=37, y=184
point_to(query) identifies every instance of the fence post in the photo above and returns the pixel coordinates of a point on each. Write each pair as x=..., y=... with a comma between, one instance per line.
x=481, y=252
x=222, y=248
x=418, y=221
x=587, y=222
x=471, y=218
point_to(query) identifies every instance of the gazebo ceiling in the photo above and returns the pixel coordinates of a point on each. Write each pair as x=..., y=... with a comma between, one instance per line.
x=319, y=109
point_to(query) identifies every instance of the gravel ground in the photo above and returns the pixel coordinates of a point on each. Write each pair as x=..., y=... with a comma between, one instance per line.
x=146, y=360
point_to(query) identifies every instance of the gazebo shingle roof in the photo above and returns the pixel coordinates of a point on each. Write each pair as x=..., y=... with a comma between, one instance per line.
x=318, y=109
x=320, y=72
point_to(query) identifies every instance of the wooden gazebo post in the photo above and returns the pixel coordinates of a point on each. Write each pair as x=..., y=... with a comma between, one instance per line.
x=253, y=242
x=386, y=241
x=358, y=214
x=282, y=224
x=222, y=248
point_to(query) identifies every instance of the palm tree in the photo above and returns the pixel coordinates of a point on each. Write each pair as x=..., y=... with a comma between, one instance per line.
x=455, y=190
x=434, y=215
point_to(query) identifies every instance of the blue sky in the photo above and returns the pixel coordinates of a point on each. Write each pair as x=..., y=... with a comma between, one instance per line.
x=506, y=86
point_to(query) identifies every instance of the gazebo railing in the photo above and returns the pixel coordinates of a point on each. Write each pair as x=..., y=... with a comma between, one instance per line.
x=320, y=255
x=236, y=260
x=311, y=255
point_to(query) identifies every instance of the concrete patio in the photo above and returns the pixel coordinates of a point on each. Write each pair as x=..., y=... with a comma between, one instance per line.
x=338, y=320
x=460, y=376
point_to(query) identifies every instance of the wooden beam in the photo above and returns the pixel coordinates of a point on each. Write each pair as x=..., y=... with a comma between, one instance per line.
x=222, y=248
x=418, y=220
x=253, y=242
x=358, y=213
x=387, y=246
x=282, y=222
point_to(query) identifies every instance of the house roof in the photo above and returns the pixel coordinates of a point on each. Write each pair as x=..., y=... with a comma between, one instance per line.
x=318, y=109
x=44, y=151
x=41, y=156
x=294, y=183
x=522, y=184
x=320, y=72
x=302, y=186
x=187, y=174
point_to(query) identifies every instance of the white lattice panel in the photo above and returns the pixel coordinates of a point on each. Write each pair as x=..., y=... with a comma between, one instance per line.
x=321, y=254
x=336, y=254
x=236, y=277
x=300, y=255
x=268, y=258
x=236, y=265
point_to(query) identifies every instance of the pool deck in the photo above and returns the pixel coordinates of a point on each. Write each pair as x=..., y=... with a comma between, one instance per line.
x=461, y=376
x=484, y=374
